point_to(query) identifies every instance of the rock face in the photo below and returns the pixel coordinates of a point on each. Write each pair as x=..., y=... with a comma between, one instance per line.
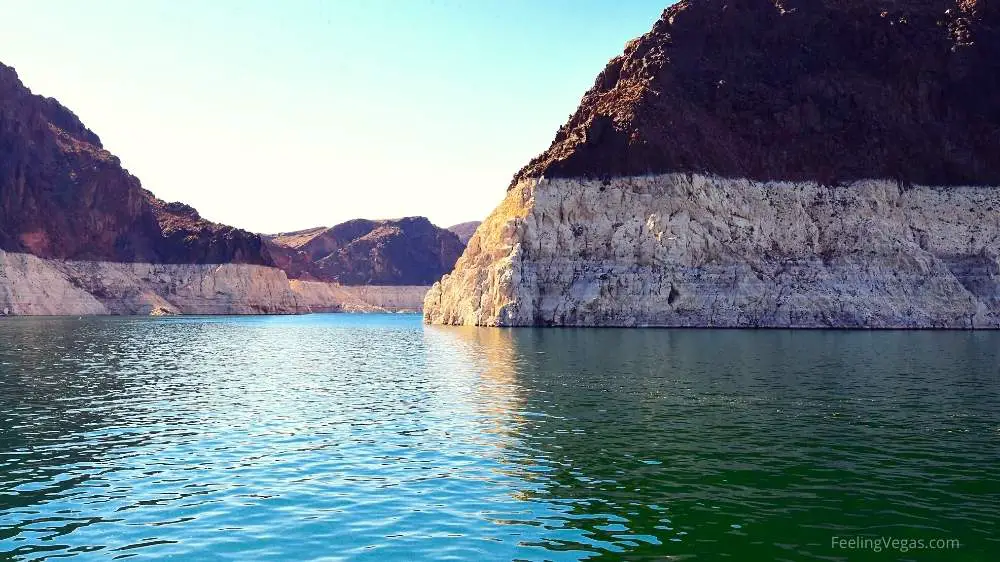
x=63, y=196
x=465, y=230
x=79, y=235
x=330, y=297
x=680, y=250
x=759, y=163
x=796, y=90
x=30, y=285
x=407, y=251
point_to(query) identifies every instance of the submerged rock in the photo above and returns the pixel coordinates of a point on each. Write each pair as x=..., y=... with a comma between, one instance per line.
x=761, y=163
x=163, y=311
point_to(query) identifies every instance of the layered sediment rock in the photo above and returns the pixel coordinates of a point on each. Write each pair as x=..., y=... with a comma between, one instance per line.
x=30, y=285
x=317, y=296
x=691, y=250
x=752, y=163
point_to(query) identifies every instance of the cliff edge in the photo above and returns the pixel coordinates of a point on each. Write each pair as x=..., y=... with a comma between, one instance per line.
x=761, y=163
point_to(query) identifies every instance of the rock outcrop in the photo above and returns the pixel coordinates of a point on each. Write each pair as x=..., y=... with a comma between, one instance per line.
x=762, y=163
x=465, y=230
x=79, y=235
x=30, y=285
x=796, y=90
x=63, y=196
x=318, y=296
x=407, y=251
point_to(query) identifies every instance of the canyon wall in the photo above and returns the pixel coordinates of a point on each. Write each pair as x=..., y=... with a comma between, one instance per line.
x=695, y=250
x=318, y=296
x=761, y=163
x=30, y=285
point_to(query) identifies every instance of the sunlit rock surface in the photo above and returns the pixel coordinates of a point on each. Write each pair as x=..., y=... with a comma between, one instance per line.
x=761, y=163
x=30, y=285
x=693, y=250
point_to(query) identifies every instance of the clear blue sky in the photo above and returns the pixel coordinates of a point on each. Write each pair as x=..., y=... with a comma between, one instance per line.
x=276, y=116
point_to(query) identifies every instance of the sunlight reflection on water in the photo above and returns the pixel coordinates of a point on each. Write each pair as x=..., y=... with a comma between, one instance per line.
x=372, y=436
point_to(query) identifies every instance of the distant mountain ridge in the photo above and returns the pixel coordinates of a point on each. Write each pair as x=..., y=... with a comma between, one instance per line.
x=406, y=251
x=62, y=195
x=465, y=230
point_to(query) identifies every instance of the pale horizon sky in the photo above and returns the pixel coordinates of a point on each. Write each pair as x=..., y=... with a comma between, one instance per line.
x=279, y=116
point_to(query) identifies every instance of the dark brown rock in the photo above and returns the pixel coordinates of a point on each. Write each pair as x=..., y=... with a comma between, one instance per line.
x=825, y=90
x=63, y=196
x=408, y=251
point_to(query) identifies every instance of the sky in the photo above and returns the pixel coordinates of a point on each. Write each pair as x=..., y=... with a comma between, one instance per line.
x=276, y=116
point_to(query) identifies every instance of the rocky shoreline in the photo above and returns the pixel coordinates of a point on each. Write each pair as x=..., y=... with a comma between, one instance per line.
x=689, y=250
x=30, y=285
x=761, y=163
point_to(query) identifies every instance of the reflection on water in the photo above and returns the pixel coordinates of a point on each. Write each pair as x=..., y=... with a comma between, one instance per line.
x=342, y=436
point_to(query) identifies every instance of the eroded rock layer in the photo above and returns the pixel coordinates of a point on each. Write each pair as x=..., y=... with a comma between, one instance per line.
x=694, y=250
x=30, y=285
x=761, y=163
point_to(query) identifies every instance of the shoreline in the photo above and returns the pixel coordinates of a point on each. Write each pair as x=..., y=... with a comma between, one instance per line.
x=33, y=286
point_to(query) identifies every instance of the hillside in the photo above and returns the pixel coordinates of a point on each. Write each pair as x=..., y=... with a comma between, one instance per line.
x=465, y=230
x=407, y=251
x=62, y=195
x=796, y=90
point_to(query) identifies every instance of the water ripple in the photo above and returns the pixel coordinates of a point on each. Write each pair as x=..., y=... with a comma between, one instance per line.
x=341, y=437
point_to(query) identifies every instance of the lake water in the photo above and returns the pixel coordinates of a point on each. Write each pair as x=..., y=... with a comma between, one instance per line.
x=373, y=437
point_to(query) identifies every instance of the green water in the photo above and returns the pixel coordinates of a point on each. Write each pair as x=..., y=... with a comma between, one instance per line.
x=373, y=437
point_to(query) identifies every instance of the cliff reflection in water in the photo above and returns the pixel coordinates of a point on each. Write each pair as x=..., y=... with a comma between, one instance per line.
x=373, y=436
x=664, y=442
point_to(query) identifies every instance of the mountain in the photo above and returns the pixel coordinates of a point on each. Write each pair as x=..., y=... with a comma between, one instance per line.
x=796, y=90
x=79, y=235
x=465, y=230
x=62, y=195
x=751, y=163
x=407, y=251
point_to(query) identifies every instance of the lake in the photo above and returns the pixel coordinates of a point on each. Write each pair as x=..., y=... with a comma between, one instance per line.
x=373, y=437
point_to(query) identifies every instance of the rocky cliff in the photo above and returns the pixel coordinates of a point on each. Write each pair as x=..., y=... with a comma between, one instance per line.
x=63, y=196
x=407, y=251
x=30, y=285
x=750, y=163
x=79, y=235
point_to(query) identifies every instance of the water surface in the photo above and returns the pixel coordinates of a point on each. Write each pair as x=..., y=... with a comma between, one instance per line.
x=373, y=437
